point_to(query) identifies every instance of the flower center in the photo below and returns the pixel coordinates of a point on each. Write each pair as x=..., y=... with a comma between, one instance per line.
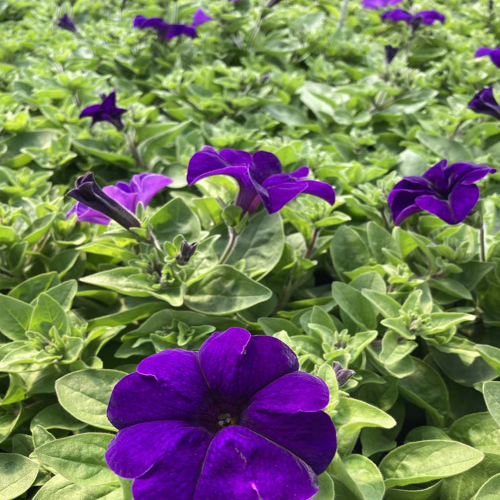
x=225, y=419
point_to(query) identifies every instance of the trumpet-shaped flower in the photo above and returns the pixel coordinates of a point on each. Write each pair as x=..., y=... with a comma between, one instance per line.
x=107, y=111
x=66, y=23
x=426, y=17
x=259, y=176
x=117, y=202
x=447, y=191
x=234, y=421
x=484, y=102
x=493, y=54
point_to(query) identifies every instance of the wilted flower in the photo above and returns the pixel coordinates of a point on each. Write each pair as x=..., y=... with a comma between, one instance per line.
x=235, y=420
x=494, y=54
x=379, y=4
x=390, y=53
x=259, y=176
x=66, y=23
x=342, y=374
x=168, y=31
x=187, y=251
x=447, y=191
x=484, y=102
x=105, y=112
x=118, y=203
x=425, y=17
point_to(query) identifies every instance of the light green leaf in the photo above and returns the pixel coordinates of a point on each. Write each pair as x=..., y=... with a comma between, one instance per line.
x=490, y=490
x=491, y=391
x=15, y=317
x=17, y=474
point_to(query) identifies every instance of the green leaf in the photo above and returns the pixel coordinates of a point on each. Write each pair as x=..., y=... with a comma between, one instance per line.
x=348, y=250
x=490, y=490
x=55, y=417
x=85, y=395
x=326, y=489
x=445, y=148
x=175, y=218
x=479, y=430
x=289, y=115
x=366, y=475
x=17, y=474
x=491, y=391
x=353, y=415
x=425, y=461
x=59, y=488
x=29, y=290
x=47, y=314
x=100, y=150
x=354, y=305
x=80, y=458
x=260, y=245
x=224, y=290
x=490, y=354
x=15, y=317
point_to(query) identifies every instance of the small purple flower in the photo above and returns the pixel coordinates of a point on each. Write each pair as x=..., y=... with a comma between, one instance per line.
x=494, y=54
x=259, y=176
x=66, y=23
x=379, y=4
x=114, y=202
x=484, y=102
x=200, y=17
x=236, y=420
x=105, y=112
x=447, y=191
x=168, y=31
x=426, y=17
x=390, y=53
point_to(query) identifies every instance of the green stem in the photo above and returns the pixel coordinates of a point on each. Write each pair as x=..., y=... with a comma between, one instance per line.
x=482, y=241
x=233, y=237
x=343, y=15
x=126, y=485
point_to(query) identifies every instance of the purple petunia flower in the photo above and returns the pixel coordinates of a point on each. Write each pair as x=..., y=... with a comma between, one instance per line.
x=379, y=4
x=117, y=202
x=447, y=191
x=168, y=31
x=66, y=23
x=259, y=176
x=484, y=102
x=494, y=54
x=426, y=17
x=390, y=53
x=105, y=112
x=236, y=420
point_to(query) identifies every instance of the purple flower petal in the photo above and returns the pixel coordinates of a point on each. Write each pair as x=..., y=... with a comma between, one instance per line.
x=397, y=15
x=321, y=190
x=463, y=199
x=292, y=393
x=241, y=465
x=436, y=175
x=147, y=185
x=436, y=206
x=378, y=4
x=293, y=432
x=430, y=17
x=468, y=173
x=484, y=102
x=264, y=165
x=176, y=30
x=90, y=110
x=234, y=157
x=494, y=54
x=237, y=365
x=168, y=386
x=136, y=449
x=176, y=475
x=200, y=17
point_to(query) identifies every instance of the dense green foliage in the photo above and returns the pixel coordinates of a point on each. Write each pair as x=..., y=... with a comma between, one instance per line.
x=414, y=310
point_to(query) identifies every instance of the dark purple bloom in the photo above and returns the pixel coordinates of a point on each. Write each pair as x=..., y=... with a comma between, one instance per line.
x=114, y=202
x=390, y=53
x=484, y=102
x=187, y=251
x=447, y=191
x=259, y=176
x=236, y=420
x=168, y=31
x=494, y=54
x=379, y=4
x=200, y=17
x=425, y=17
x=66, y=23
x=105, y=112
x=342, y=374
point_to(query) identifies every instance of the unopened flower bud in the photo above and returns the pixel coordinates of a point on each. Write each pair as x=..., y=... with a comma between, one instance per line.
x=342, y=374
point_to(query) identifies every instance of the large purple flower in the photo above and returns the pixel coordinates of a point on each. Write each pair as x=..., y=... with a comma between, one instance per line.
x=379, y=4
x=234, y=421
x=484, y=102
x=168, y=31
x=107, y=111
x=117, y=202
x=493, y=54
x=259, y=176
x=426, y=17
x=447, y=191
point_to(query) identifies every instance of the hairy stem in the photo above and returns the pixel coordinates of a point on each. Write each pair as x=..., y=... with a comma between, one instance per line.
x=343, y=14
x=233, y=237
